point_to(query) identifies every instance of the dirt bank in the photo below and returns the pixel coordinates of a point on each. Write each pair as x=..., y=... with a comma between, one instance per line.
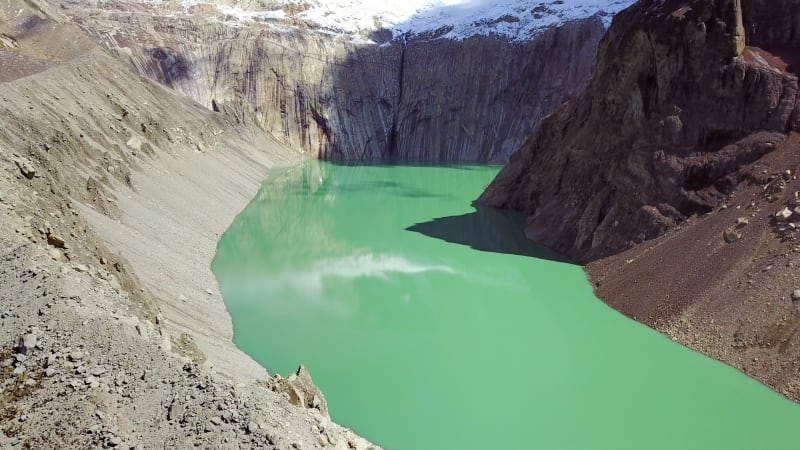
x=723, y=283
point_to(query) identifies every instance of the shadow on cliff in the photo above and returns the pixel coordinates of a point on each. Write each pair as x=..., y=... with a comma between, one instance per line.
x=488, y=230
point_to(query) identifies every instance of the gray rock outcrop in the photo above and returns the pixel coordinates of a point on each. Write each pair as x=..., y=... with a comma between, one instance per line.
x=300, y=389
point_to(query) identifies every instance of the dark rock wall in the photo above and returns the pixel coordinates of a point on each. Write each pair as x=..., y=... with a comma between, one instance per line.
x=772, y=23
x=678, y=105
x=477, y=99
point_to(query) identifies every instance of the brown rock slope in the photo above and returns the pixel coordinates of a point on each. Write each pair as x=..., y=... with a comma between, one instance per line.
x=723, y=283
x=675, y=161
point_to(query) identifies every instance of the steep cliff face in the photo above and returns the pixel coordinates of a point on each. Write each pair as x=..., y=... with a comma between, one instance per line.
x=475, y=99
x=422, y=98
x=686, y=94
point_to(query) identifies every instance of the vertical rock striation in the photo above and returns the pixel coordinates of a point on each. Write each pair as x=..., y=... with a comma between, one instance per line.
x=476, y=99
x=678, y=106
x=416, y=99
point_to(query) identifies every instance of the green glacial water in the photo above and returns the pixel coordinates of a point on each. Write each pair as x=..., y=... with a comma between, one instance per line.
x=430, y=325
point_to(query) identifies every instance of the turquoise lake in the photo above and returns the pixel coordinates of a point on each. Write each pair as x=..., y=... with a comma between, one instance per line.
x=429, y=324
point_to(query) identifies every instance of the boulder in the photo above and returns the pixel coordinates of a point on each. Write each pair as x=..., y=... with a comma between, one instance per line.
x=56, y=241
x=25, y=166
x=301, y=390
x=732, y=235
x=783, y=215
x=134, y=143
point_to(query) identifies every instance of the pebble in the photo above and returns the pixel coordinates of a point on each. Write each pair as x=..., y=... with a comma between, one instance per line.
x=731, y=235
x=76, y=356
x=796, y=295
x=18, y=371
x=28, y=342
x=56, y=254
x=49, y=372
x=142, y=330
x=783, y=214
x=252, y=427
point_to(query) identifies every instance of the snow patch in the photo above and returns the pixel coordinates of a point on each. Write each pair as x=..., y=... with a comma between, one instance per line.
x=452, y=19
x=242, y=15
x=458, y=19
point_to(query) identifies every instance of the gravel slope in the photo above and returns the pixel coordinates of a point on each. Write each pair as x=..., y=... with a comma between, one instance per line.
x=113, y=192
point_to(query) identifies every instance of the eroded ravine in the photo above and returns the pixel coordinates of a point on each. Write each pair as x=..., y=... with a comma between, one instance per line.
x=430, y=325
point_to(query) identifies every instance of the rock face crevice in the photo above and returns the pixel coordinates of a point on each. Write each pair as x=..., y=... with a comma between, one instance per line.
x=678, y=106
x=415, y=99
x=392, y=149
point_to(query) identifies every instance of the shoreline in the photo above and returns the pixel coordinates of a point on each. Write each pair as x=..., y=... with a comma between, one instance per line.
x=731, y=301
x=191, y=201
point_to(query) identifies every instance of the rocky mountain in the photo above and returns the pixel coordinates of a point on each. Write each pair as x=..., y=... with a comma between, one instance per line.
x=686, y=95
x=674, y=175
x=378, y=94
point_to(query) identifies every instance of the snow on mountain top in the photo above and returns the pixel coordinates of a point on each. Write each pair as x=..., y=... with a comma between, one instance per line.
x=453, y=19
x=517, y=19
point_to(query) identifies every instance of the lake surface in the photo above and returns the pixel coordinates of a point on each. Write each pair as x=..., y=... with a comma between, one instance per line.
x=430, y=325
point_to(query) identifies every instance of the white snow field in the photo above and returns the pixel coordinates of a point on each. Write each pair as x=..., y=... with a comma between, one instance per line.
x=452, y=19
